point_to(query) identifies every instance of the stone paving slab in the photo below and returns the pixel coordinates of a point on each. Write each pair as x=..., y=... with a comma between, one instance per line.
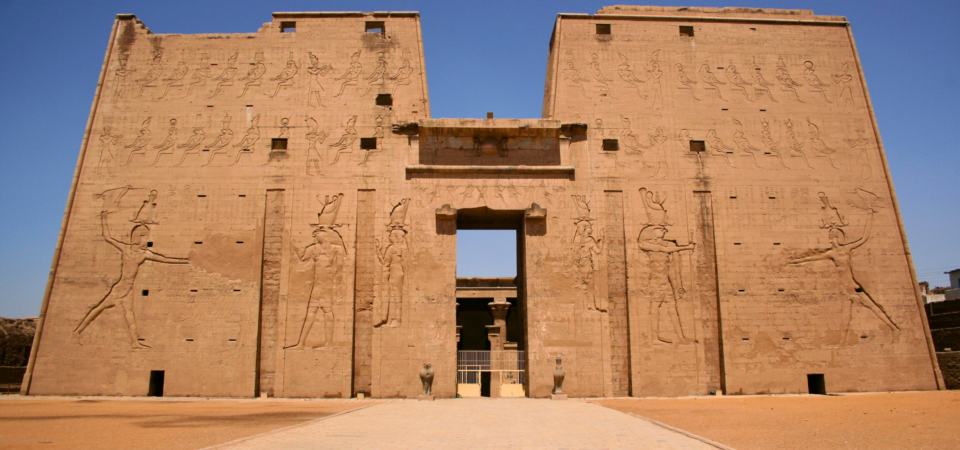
x=476, y=423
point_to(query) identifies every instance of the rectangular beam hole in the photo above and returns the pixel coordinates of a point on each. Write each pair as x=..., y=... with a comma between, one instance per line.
x=603, y=28
x=611, y=145
x=697, y=146
x=288, y=27
x=686, y=30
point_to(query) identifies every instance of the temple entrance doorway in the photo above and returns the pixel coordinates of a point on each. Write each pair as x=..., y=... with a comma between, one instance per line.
x=491, y=331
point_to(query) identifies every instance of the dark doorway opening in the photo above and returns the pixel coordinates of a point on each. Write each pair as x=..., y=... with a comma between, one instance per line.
x=156, y=384
x=491, y=313
x=815, y=384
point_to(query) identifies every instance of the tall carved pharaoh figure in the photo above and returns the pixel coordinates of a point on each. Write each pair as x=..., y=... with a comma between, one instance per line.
x=392, y=258
x=327, y=254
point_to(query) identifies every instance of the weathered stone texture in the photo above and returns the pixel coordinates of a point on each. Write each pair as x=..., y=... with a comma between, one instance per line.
x=277, y=210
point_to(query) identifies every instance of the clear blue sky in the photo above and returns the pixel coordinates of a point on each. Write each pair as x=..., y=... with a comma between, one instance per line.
x=481, y=56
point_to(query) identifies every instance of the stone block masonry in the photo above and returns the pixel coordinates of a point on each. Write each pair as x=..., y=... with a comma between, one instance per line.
x=704, y=206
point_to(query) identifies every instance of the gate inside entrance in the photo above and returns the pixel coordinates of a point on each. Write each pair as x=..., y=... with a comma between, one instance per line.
x=502, y=372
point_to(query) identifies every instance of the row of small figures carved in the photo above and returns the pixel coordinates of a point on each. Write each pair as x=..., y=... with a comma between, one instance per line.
x=753, y=85
x=202, y=72
x=224, y=143
x=651, y=151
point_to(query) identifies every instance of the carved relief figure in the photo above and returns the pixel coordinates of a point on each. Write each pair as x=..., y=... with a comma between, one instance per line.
x=378, y=134
x=249, y=139
x=166, y=147
x=107, y=140
x=351, y=75
x=587, y=253
x=402, y=77
x=314, y=138
x=767, y=138
x=141, y=141
x=598, y=75
x=226, y=77
x=713, y=84
x=840, y=255
x=654, y=75
x=219, y=145
x=665, y=282
x=572, y=75
x=344, y=145
x=627, y=75
x=787, y=84
x=717, y=147
x=253, y=75
x=192, y=146
x=740, y=140
x=762, y=86
x=156, y=70
x=285, y=79
x=199, y=77
x=133, y=255
x=392, y=258
x=739, y=84
x=846, y=93
x=684, y=82
x=315, y=92
x=795, y=144
x=175, y=79
x=818, y=143
x=378, y=76
x=814, y=81
x=327, y=254
x=863, y=159
x=120, y=79
x=631, y=141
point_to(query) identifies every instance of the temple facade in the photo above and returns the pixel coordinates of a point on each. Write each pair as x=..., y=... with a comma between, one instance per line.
x=703, y=207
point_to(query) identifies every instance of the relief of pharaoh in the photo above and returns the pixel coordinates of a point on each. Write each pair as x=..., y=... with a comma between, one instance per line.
x=327, y=254
x=133, y=254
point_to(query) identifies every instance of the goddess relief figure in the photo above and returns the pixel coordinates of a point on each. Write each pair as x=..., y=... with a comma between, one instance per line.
x=392, y=259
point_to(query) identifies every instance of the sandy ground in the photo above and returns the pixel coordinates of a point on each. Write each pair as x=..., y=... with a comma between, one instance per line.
x=147, y=424
x=908, y=420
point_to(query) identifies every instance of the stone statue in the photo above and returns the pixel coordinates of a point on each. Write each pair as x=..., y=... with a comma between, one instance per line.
x=426, y=377
x=558, y=375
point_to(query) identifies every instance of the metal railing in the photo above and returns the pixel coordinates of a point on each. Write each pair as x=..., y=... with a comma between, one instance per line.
x=509, y=364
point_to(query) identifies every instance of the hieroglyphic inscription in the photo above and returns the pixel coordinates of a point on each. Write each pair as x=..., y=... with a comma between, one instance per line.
x=364, y=294
x=270, y=291
x=617, y=294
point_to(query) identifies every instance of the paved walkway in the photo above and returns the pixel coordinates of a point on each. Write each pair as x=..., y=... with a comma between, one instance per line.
x=476, y=423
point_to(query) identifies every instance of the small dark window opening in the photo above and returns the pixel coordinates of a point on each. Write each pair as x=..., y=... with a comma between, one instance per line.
x=206, y=149
x=189, y=340
x=156, y=384
x=193, y=290
x=686, y=30
x=772, y=198
x=149, y=244
x=201, y=195
x=368, y=143
x=241, y=195
x=603, y=28
x=697, y=146
x=384, y=100
x=733, y=196
x=611, y=145
x=742, y=290
x=197, y=242
x=376, y=27
x=288, y=27
x=724, y=109
x=815, y=384
x=239, y=242
x=145, y=292
x=278, y=144
x=746, y=339
x=781, y=290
